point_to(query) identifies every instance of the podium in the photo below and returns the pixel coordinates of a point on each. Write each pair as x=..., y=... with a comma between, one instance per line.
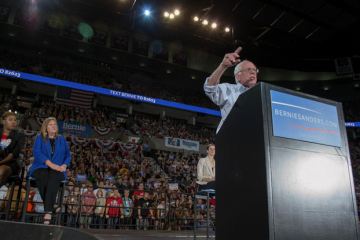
x=283, y=169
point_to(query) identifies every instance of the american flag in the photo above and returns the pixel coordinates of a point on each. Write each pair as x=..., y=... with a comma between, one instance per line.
x=74, y=97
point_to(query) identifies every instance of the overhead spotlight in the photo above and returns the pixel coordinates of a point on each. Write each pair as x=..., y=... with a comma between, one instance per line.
x=213, y=25
x=147, y=12
x=227, y=29
x=196, y=19
x=177, y=12
x=166, y=14
x=171, y=15
x=205, y=22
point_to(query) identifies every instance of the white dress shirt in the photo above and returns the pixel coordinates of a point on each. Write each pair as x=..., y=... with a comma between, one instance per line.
x=224, y=95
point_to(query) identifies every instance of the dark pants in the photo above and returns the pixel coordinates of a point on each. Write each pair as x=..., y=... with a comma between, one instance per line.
x=48, y=182
x=99, y=220
x=209, y=185
x=126, y=220
x=71, y=220
x=111, y=222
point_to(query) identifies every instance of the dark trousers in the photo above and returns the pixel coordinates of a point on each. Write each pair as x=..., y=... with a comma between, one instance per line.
x=99, y=220
x=126, y=220
x=71, y=220
x=209, y=185
x=111, y=222
x=48, y=182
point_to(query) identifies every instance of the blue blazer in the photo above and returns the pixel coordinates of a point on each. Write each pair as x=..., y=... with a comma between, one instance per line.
x=42, y=152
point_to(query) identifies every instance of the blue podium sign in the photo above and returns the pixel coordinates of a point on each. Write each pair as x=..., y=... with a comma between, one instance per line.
x=303, y=119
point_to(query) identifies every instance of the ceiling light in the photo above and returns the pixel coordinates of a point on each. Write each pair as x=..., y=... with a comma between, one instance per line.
x=196, y=19
x=213, y=25
x=171, y=15
x=205, y=22
x=166, y=14
x=227, y=29
x=177, y=12
x=147, y=12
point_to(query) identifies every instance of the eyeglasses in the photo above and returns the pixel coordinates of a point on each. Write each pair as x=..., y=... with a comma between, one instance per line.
x=249, y=69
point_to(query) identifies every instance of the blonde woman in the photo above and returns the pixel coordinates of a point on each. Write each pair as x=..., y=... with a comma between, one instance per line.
x=51, y=158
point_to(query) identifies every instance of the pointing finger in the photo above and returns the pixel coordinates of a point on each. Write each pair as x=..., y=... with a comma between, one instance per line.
x=238, y=50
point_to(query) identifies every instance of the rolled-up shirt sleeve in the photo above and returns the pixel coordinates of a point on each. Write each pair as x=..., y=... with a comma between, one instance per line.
x=216, y=93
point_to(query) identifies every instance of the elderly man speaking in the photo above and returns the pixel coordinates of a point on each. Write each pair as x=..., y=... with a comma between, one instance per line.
x=225, y=95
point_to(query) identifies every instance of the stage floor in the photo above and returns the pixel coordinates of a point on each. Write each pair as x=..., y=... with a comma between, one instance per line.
x=104, y=234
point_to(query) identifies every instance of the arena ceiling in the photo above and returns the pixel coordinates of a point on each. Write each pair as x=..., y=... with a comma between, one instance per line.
x=273, y=32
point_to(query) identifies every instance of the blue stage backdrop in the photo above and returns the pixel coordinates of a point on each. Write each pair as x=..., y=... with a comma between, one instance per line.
x=303, y=119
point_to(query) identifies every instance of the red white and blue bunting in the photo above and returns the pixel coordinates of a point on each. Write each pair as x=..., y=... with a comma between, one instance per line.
x=105, y=144
x=29, y=133
x=130, y=147
x=80, y=141
x=102, y=131
x=40, y=121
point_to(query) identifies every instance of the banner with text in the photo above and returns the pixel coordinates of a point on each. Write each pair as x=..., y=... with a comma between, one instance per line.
x=71, y=128
x=182, y=144
x=305, y=120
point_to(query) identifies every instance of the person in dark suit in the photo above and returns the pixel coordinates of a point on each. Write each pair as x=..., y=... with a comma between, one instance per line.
x=12, y=142
x=51, y=158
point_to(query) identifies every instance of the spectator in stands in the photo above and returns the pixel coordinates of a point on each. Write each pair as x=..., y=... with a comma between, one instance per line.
x=39, y=206
x=206, y=169
x=120, y=186
x=101, y=189
x=114, y=207
x=88, y=203
x=99, y=209
x=128, y=208
x=139, y=193
x=162, y=212
x=51, y=158
x=11, y=146
x=124, y=170
x=72, y=203
x=3, y=191
x=125, y=181
x=144, y=205
x=13, y=202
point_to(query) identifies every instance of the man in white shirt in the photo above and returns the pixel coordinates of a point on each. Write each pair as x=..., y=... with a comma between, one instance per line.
x=225, y=95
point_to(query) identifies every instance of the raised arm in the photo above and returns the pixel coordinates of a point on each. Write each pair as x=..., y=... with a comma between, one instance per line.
x=230, y=60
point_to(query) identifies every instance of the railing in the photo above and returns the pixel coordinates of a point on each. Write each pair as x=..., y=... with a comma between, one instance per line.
x=168, y=217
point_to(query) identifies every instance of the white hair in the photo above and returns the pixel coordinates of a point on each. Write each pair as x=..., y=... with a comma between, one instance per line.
x=238, y=68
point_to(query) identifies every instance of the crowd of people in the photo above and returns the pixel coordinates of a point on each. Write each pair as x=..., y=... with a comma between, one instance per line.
x=142, y=126
x=87, y=75
x=118, y=186
x=168, y=127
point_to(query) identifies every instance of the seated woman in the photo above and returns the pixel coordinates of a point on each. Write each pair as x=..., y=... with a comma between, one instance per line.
x=51, y=158
x=206, y=169
x=11, y=145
